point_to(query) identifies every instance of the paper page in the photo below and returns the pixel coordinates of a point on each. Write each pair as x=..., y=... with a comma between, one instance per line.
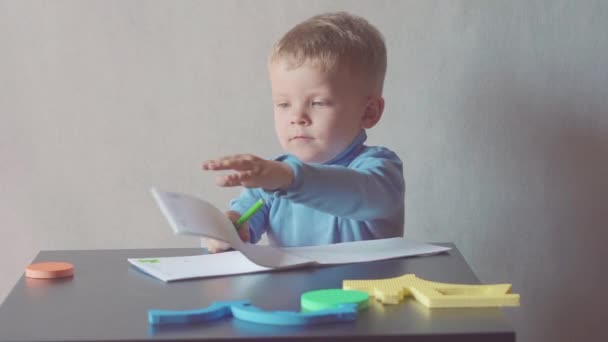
x=231, y=263
x=189, y=215
x=193, y=216
x=362, y=251
x=197, y=266
x=272, y=256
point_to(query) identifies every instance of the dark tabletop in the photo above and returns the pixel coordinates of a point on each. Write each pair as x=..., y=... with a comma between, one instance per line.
x=108, y=299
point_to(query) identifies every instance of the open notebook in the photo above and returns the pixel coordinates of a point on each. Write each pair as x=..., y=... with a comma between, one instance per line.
x=193, y=216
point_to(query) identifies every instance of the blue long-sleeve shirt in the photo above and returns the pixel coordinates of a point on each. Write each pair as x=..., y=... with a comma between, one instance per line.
x=358, y=195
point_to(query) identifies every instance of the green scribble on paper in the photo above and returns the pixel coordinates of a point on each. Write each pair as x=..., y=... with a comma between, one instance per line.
x=151, y=261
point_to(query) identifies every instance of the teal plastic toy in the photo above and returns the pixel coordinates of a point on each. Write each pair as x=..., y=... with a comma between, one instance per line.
x=213, y=312
x=243, y=310
x=250, y=313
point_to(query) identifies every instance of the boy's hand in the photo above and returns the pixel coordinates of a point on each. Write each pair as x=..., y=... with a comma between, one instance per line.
x=216, y=246
x=252, y=172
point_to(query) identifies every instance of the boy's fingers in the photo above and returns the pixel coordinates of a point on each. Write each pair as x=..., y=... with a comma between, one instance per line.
x=246, y=175
x=215, y=246
x=229, y=180
x=244, y=178
x=244, y=232
x=238, y=162
x=233, y=215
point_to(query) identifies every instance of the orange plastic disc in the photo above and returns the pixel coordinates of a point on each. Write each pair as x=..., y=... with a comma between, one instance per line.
x=48, y=270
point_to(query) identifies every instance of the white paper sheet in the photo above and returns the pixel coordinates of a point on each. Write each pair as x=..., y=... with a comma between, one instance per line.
x=189, y=215
x=235, y=262
x=197, y=266
x=363, y=251
x=193, y=216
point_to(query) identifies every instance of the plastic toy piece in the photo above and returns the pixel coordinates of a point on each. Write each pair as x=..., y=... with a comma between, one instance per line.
x=332, y=298
x=49, y=270
x=434, y=294
x=213, y=312
x=243, y=310
x=250, y=313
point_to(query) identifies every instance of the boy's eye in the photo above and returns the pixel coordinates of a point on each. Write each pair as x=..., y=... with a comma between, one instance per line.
x=282, y=105
x=318, y=103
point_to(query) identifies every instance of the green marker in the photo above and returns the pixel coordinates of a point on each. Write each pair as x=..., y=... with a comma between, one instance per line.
x=250, y=212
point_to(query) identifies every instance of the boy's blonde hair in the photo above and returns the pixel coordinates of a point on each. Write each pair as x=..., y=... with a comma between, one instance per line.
x=332, y=40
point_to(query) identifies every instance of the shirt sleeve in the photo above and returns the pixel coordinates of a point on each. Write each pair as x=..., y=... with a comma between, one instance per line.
x=371, y=187
x=258, y=223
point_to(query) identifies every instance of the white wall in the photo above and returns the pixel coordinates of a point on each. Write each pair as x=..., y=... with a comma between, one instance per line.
x=498, y=108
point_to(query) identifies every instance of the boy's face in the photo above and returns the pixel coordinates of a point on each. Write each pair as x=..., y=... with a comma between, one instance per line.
x=317, y=114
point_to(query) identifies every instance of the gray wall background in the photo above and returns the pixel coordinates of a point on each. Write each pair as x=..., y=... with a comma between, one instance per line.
x=499, y=110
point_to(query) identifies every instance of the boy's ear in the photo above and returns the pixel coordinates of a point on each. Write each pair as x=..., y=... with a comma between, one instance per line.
x=373, y=112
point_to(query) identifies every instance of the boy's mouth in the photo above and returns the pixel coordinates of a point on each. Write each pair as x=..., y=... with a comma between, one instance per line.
x=300, y=137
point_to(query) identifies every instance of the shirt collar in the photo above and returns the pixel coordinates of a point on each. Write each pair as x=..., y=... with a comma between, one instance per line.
x=348, y=154
x=343, y=158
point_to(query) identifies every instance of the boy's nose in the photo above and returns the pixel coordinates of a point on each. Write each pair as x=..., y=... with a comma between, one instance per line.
x=300, y=118
x=300, y=121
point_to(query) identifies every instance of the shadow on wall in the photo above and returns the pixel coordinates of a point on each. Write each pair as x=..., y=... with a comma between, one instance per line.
x=576, y=229
x=548, y=151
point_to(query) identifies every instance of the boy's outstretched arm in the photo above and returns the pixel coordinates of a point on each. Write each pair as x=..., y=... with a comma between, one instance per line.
x=372, y=187
x=251, y=172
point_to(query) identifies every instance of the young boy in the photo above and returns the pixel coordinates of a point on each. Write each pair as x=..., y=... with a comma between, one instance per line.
x=326, y=75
